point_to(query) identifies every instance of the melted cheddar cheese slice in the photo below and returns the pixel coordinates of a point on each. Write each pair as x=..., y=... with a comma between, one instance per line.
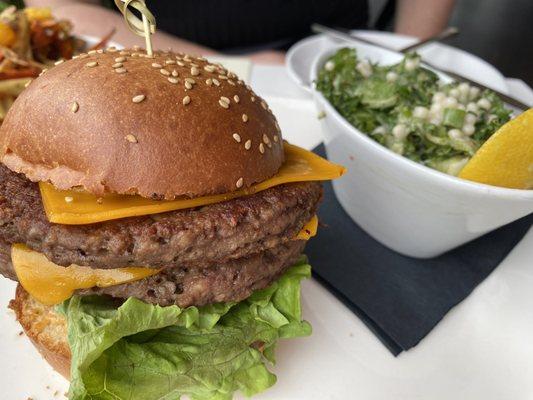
x=309, y=230
x=51, y=284
x=84, y=208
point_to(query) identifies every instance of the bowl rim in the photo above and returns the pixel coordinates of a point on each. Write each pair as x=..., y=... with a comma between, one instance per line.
x=411, y=165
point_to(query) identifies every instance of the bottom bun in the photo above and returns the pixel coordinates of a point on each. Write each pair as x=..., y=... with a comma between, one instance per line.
x=46, y=329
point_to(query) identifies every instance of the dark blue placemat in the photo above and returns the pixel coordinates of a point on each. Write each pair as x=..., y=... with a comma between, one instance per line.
x=400, y=298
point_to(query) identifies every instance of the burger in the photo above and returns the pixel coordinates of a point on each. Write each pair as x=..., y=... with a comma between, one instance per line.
x=155, y=220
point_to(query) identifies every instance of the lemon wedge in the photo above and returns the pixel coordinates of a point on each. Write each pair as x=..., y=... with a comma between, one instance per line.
x=506, y=159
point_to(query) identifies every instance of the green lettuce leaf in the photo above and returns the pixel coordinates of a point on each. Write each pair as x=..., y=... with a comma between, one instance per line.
x=138, y=351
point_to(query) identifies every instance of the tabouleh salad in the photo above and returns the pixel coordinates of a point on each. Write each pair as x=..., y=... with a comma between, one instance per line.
x=408, y=109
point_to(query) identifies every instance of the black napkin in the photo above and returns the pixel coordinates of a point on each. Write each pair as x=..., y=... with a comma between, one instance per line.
x=400, y=298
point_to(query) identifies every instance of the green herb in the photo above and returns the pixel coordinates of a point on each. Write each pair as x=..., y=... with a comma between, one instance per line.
x=140, y=351
x=438, y=125
x=454, y=117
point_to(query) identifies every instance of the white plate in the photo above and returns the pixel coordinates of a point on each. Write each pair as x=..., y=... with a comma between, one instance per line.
x=300, y=58
x=481, y=350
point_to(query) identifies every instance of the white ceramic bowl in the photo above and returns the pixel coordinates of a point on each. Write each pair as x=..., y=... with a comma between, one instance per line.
x=408, y=207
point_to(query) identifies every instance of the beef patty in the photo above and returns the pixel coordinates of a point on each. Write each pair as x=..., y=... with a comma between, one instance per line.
x=220, y=252
x=234, y=280
x=192, y=238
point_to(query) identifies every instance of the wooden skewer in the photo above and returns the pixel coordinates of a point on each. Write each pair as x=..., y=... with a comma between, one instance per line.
x=147, y=36
x=144, y=27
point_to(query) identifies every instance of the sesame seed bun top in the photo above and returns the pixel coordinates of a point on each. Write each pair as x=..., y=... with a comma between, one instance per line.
x=162, y=127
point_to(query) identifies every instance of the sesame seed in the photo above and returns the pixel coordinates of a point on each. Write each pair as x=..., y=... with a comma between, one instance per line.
x=193, y=65
x=195, y=71
x=120, y=59
x=224, y=98
x=261, y=148
x=74, y=107
x=170, y=62
x=190, y=80
x=232, y=75
x=164, y=72
x=244, y=118
x=188, y=85
x=175, y=73
x=223, y=104
x=124, y=53
x=112, y=49
x=83, y=55
x=69, y=199
x=222, y=77
x=172, y=80
x=236, y=98
x=100, y=51
x=264, y=105
x=237, y=137
x=157, y=65
x=216, y=82
x=266, y=139
x=209, y=68
x=138, y=98
x=28, y=83
x=59, y=62
x=209, y=82
x=92, y=64
x=117, y=65
x=253, y=99
x=248, y=144
x=249, y=88
x=231, y=82
x=239, y=182
x=186, y=100
x=121, y=70
x=276, y=138
x=91, y=52
x=130, y=138
x=180, y=64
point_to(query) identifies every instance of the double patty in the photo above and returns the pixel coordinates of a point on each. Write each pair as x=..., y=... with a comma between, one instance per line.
x=220, y=252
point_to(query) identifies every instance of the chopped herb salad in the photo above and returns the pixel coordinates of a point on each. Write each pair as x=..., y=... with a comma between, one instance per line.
x=409, y=110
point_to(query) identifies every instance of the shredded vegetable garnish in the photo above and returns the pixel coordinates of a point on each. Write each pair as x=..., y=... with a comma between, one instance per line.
x=30, y=41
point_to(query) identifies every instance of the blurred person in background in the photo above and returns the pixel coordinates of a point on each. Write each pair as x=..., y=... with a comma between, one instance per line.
x=263, y=30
